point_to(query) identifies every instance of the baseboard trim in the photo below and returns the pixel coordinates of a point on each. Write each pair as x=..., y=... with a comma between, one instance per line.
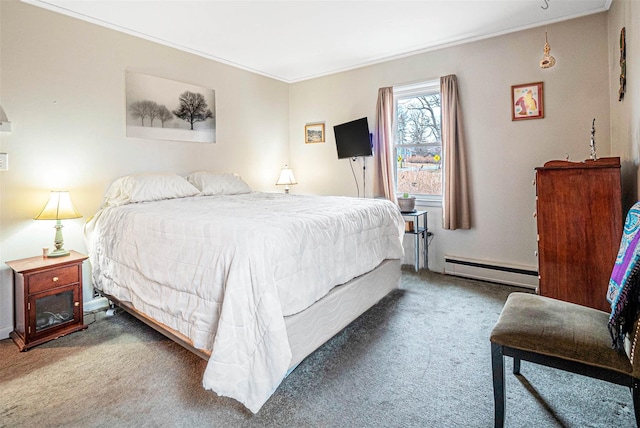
x=521, y=276
x=4, y=332
x=96, y=304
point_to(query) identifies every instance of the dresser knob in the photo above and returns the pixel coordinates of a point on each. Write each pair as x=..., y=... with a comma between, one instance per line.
x=55, y=279
x=76, y=304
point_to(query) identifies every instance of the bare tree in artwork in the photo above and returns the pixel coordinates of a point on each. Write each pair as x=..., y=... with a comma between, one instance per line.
x=164, y=114
x=142, y=109
x=153, y=111
x=193, y=108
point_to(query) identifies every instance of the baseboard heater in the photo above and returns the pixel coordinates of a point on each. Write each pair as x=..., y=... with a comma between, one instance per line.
x=503, y=274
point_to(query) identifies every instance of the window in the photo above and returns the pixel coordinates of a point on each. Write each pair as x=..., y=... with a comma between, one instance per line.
x=418, y=141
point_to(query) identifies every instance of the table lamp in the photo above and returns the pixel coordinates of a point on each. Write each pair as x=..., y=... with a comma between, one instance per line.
x=286, y=178
x=59, y=207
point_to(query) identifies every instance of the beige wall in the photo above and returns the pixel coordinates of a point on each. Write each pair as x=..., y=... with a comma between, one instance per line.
x=62, y=86
x=502, y=154
x=63, y=90
x=625, y=115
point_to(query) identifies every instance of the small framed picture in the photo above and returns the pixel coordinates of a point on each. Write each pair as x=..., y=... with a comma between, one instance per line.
x=314, y=133
x=527, y=101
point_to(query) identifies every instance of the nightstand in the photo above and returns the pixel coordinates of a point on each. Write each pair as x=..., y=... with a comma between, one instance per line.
x=47, y=298
x=416, y=225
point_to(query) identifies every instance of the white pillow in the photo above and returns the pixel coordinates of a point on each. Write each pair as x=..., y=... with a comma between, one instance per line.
x=210, y=183
x=148, y=187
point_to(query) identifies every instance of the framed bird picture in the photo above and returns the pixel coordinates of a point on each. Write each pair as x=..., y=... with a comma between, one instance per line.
x=527, y=101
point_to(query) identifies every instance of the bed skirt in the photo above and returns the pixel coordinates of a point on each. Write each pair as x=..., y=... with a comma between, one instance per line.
x=311, y=328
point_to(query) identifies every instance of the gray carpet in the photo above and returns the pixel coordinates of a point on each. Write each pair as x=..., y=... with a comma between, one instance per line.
x=420, y=358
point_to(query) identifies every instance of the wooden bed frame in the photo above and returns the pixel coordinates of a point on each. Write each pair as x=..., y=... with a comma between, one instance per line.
x=311, y=328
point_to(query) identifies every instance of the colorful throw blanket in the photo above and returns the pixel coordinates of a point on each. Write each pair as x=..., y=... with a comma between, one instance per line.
x=624, y=284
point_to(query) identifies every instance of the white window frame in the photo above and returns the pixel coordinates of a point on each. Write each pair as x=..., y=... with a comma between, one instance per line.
x=427, y=87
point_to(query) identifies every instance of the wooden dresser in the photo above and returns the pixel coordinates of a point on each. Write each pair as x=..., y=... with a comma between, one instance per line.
x=579, y=219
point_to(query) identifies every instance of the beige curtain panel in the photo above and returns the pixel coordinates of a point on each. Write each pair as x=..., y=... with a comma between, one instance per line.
x=455, y=210
x=384, y=183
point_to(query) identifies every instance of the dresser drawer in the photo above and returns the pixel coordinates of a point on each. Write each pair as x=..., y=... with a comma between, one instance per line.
x=53, y=278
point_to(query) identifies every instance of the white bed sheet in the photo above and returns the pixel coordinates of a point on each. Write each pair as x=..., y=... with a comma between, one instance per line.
x=225, y=270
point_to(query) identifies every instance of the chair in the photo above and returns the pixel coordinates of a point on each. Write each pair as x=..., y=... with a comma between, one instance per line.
x=572, y=337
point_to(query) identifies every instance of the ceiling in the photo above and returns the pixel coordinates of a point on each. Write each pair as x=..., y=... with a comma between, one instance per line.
x=298, y=40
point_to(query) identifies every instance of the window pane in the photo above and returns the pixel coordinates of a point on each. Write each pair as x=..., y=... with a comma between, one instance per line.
x=418, y=119
x=419, y=143
x=419, y=169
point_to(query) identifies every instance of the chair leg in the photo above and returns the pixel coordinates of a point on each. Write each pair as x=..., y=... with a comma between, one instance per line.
x=516, y=365
x=635, y=391
x=497, y=366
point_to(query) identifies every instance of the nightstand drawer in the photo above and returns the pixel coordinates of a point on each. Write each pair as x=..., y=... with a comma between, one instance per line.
x=53, y=278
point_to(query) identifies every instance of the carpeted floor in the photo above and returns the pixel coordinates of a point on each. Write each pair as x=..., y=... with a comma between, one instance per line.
x=420, y=358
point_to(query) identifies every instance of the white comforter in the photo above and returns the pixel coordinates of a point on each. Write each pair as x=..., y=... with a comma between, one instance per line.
x=225, y=270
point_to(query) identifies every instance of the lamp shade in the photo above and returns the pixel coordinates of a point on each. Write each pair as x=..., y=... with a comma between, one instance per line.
x=59, y=207
x=286, y=177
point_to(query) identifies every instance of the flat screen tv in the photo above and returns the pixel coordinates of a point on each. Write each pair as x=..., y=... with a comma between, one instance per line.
x=353, y=139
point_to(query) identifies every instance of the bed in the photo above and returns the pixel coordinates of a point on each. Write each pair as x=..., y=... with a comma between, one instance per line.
x=254, y=282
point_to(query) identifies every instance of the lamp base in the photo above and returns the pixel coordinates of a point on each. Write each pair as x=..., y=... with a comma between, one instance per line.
x=58, y=242
x=58, y=253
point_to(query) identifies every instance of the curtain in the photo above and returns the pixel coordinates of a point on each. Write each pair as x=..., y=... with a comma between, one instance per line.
x=384, y=183
x=455, y=210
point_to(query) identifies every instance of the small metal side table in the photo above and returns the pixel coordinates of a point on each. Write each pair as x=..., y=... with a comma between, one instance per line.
x=416, y=225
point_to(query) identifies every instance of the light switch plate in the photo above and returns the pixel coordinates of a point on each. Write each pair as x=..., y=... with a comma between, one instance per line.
x=4, y=161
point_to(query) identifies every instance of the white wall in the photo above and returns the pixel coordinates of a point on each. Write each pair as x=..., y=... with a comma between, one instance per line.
x=502, y=154
x=62, y=88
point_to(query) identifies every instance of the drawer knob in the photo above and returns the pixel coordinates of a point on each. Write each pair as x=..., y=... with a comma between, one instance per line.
x=55, y=279
x=76, y=303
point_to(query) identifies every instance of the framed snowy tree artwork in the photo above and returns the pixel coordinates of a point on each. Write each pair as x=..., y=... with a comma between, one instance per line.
x=163, y=109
